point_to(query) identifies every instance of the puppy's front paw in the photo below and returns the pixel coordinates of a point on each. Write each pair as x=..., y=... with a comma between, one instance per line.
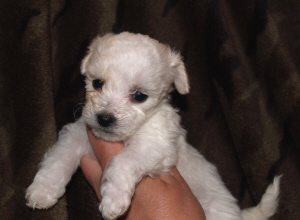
x=40, y=197
x=115, y=202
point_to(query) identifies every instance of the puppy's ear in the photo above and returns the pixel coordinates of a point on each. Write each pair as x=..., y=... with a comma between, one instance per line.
x=180, y=75
x=85, y=61
x=95, y=46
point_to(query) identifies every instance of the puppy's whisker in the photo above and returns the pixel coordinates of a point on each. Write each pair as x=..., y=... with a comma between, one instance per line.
x=123, y=116
x=139, y=111
x=91, y=91
x=76, y=108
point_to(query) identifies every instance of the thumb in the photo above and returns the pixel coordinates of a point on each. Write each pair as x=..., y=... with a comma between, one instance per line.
x=92, y=172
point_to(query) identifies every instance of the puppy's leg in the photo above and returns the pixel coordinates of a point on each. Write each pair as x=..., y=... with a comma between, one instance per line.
x=125, y=170
x=58, y=165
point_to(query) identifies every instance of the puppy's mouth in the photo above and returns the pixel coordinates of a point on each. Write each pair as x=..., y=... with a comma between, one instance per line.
x=101, y=132
x=99, y=129
x=105, y=130
x=105, y=126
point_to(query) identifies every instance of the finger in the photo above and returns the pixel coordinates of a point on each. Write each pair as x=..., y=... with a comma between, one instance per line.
x=92, y=171
x=103, y=150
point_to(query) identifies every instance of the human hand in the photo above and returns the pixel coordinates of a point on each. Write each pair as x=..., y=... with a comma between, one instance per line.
x=164, y=197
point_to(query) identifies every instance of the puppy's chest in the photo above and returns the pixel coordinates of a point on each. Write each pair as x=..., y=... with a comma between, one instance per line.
x=162, y=128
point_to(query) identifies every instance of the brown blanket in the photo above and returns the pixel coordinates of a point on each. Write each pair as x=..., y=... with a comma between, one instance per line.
x=243, y=112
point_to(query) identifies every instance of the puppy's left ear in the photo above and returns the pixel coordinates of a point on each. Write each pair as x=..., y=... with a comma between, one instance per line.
x=85, y=61
x=179, y=72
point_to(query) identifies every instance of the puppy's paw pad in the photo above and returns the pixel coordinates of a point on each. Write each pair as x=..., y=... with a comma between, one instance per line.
x=115, y=203
x=39, y=198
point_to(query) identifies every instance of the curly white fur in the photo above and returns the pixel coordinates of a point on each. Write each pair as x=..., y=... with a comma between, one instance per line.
x=154, y=140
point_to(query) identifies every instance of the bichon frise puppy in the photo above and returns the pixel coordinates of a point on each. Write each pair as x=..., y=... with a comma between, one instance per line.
x=129, y=78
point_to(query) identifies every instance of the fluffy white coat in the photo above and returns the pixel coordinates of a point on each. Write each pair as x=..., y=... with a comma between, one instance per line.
x=125, y=66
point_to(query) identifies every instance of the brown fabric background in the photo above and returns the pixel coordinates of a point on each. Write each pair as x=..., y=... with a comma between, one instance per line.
x=243, y=112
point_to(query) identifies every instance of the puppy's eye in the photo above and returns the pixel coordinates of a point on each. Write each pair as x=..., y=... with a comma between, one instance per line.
x=139, y=96
x=98, y=83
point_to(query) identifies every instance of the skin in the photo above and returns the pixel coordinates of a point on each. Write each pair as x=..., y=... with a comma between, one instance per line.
x=164, y=197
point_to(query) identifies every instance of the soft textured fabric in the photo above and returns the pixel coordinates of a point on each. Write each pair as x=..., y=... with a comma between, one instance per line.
x=243, y=111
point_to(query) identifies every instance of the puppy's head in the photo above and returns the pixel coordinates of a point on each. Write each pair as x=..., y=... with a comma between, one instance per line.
x=128, y=76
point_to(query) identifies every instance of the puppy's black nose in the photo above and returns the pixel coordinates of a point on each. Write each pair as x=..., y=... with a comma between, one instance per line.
x=105, y=120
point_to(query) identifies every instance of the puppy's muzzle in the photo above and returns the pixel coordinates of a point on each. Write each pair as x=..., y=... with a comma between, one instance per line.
x=106, y=120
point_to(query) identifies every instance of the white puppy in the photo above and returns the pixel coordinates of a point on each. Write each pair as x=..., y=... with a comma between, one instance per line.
x=128, y=81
